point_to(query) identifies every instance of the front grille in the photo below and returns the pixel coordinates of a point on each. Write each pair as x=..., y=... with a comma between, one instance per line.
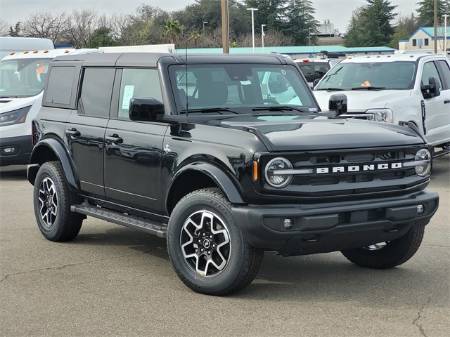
x=347, y=183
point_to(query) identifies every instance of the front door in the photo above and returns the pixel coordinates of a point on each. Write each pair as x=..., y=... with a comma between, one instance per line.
x=87, y=126
x=434, y=107
x=134, y=149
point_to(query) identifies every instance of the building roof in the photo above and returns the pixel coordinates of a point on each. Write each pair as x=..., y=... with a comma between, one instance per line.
x=290, y=50
x=430, y=31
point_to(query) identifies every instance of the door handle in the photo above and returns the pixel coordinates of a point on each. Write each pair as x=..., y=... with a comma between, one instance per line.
x=114, y=139
x=73, y=132
x=447, y=101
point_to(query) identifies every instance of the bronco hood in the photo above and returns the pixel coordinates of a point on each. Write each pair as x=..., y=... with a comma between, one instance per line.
x=293, y=132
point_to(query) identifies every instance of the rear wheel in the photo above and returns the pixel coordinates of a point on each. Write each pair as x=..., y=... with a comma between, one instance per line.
x=52, y=200
x=385, y=255
x=207, y=250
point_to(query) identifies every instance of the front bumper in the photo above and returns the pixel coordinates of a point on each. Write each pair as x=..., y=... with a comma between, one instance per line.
x=15, y=150
x=327, y=227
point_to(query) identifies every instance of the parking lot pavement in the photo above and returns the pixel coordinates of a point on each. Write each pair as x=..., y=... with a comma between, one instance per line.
x=117, y=282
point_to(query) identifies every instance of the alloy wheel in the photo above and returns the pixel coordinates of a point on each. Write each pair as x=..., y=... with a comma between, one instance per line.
x=205, y=243
x=48, y=202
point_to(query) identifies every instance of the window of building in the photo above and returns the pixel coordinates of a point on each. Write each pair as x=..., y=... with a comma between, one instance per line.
x=95, y=98
x=427, y=42
x=414, y=42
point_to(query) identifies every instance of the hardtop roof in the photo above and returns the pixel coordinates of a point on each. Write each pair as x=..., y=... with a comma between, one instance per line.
x=152, y=59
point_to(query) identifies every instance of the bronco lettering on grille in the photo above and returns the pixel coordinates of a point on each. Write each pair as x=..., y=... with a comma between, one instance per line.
x=359, y=168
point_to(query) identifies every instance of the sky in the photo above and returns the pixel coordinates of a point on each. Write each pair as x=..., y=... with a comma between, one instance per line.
x=338, y=11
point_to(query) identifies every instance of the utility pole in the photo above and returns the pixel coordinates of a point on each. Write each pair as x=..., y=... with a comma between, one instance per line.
x=225, y=27
x=446, y=16
x=253, y=10
x=262, y=35
x=435, y=26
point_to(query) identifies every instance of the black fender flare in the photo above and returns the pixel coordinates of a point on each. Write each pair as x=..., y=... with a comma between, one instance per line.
x=216, y=174
x=60, y=152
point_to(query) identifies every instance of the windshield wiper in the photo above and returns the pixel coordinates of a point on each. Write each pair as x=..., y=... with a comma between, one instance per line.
x=281, y=108
x=369, y=88
x=209, y=110
x=330, y=89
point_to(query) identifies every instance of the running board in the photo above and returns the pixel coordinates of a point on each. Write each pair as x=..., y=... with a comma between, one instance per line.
x=122, y=219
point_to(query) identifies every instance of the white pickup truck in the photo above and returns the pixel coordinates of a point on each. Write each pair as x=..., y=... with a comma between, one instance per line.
x=395, y=89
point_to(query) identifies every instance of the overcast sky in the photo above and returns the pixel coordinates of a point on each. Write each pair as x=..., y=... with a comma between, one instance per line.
x=338, y=11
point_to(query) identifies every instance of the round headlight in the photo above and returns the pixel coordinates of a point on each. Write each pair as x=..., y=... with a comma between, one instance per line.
x=423, y=156
x=274, y=177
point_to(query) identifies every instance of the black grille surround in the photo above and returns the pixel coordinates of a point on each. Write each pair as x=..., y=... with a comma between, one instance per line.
x=360, y=184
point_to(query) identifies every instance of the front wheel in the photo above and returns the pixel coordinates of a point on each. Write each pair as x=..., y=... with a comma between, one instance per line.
x=385, y=255
x=207, y=249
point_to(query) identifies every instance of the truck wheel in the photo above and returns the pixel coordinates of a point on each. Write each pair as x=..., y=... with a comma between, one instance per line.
x=387, y=255
x=207, y=249
x=52, y=199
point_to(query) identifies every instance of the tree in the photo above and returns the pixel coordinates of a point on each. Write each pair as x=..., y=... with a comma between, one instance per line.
x=426, y=11
x=406, y=26
x=15, y=30
x=371, y=24
x=172, y=30
x=80, y=27
x=102, y=37
x=45, y=25
x=270, y=12
x=4, y=29
x=301, y=24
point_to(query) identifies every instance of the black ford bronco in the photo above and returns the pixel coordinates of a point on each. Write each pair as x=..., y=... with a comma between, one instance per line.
x=226, y=157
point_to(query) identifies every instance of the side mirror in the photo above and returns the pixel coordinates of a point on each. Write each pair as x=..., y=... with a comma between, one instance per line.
x=145, y=109
x=316, y=82
x=432, y=89
x=338, y=103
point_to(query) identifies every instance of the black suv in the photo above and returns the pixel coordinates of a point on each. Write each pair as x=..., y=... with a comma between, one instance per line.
x=226, y=157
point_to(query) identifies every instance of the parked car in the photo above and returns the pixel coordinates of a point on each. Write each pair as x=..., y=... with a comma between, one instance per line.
x=15, y=44
x=315, y=68
x=395, y=89
x=22, y=80
x=194, y=150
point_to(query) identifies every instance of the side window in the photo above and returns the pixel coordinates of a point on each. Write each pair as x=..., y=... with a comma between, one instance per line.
x=59, y=88
x=445, y=72
x=429, y=71
x=96, y=90
x=139, y=83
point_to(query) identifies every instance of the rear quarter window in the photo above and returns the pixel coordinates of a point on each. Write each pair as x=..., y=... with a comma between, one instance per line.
x=59, y=87
x=445, y=72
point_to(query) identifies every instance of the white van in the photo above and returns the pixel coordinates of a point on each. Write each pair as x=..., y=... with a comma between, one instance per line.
x=22, y=80
x=395, y=89
x=15, y=44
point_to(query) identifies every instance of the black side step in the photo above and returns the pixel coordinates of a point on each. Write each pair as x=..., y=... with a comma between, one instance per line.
x=127, y=220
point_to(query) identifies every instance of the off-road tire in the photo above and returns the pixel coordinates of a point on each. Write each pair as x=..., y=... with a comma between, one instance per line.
x=393, y=254
x=244, y=260
x=66, y=225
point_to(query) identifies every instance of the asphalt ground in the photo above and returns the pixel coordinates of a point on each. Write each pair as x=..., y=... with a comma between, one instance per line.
x=112, y=281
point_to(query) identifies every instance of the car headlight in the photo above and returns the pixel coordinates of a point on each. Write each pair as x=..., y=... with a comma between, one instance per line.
x=423, y=162
x=381, y=115
x=14, y=117
x=277, y=174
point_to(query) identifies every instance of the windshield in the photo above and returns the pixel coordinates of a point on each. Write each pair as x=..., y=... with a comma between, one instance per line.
x=314, y=70
x=379, y=75
x=239, y=87
x=22, y=77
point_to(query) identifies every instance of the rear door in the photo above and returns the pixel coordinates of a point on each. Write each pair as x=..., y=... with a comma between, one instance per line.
x=87, y=125
x=134, y=149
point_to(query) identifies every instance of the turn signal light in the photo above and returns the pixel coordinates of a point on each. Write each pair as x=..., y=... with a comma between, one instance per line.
x=255, y=171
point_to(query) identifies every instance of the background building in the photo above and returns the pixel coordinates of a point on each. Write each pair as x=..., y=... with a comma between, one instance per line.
x=423, y=40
